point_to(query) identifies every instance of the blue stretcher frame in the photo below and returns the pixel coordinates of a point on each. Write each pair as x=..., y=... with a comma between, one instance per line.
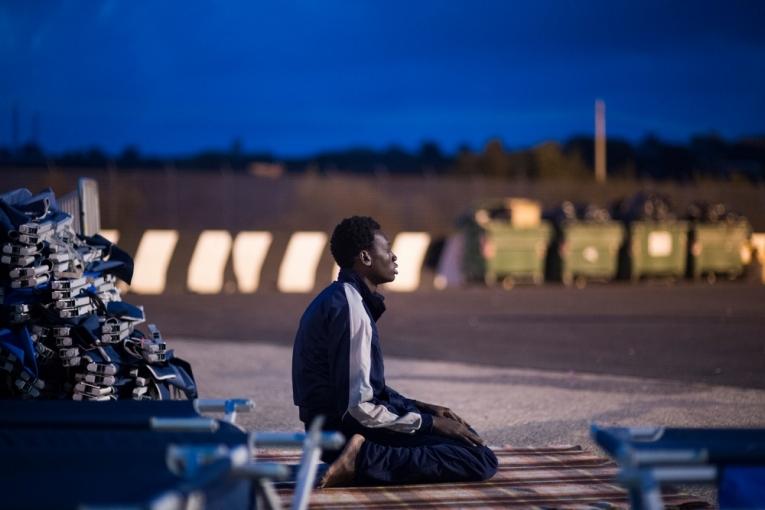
x=149, y=454
x=651, y=456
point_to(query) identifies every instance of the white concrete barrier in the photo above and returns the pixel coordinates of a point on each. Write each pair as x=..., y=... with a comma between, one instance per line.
x=297, y=272
x=208, y=262
x=758, y=243
x=410, y=249
x=152, y=259
x=250, y=249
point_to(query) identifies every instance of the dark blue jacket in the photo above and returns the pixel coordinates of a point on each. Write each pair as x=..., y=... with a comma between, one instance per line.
x=337, y=363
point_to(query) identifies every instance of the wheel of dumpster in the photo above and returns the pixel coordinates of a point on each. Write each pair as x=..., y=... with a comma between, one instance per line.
x=733, y=275
x=508, y=282
x=711, y=278
x=567, y=279
x=537, y=278
x=580, y=282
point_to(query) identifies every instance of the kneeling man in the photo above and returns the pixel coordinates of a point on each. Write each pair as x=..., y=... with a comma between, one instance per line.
x=338, y=372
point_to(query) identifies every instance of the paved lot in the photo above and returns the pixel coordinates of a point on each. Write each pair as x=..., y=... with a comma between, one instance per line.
x=522, y=407
x=692, y=333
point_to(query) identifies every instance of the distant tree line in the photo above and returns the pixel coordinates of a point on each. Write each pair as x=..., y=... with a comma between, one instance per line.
x=704, y=157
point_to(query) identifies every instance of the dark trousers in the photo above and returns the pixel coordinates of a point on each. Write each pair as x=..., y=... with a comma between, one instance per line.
x=395, y=458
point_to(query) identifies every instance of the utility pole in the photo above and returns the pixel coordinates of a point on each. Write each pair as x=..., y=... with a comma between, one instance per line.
x=600, y=140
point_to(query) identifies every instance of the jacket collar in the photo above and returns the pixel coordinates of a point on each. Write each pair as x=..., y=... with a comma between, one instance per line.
x=374, y=300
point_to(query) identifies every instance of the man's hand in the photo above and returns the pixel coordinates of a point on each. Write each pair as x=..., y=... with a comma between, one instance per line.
x=441, y=411
x=451, y=428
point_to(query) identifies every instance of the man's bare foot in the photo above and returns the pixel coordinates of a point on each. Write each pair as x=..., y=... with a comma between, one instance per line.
x=342, y=471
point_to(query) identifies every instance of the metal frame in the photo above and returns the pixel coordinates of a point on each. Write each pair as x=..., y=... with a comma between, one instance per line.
x=228, y=407
x=186, y=460
x=312, y=442
x=643, y=472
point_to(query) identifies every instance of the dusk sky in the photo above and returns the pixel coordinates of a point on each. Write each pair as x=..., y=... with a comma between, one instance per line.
x=296, y=77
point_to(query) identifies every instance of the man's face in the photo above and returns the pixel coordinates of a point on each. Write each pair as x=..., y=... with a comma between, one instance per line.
x=382, y=266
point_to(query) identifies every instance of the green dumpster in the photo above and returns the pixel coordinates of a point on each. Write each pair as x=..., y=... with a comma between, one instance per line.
x=589, y=250
x=515, y=254
x=505, y=240
x=657, y=248
x=716, y=249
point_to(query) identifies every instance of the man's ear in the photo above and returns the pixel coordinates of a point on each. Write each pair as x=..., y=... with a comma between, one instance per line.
x=365, y=258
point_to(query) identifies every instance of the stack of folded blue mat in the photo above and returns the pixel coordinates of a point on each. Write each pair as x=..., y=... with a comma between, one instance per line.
x=65, y=332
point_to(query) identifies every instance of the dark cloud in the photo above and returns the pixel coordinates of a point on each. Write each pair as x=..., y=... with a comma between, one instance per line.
x=299, y=76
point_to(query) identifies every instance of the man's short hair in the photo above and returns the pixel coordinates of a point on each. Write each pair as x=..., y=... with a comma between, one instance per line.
x=350, y=237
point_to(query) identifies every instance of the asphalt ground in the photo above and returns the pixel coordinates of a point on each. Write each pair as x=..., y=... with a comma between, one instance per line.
x=521, y=407
x=696, y=333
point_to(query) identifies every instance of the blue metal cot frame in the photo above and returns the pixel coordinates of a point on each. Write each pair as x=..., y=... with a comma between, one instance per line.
x=149, y=454
x=649, y=457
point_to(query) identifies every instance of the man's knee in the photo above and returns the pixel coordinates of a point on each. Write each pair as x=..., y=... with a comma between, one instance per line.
x=487, y=463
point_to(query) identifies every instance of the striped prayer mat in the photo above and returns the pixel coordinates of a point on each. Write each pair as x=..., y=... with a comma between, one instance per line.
x=555, y=477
